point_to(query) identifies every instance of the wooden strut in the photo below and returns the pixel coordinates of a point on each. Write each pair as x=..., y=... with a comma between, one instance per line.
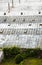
x=19, y=1
x=8, y=7
x=12, y=4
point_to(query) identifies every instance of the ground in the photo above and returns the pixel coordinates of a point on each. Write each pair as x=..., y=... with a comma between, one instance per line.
x=32, y=61
x=29, y=61
x=8, y=62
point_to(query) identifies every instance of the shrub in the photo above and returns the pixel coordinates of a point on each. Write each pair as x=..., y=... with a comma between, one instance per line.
x=15, y=51
x=6, y=52
x=11, y=52
x=32, y=52
x=18, y=58
x=25, y=53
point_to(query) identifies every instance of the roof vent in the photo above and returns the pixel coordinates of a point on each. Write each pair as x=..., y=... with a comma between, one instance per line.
x=39, y=12
x=8, y=24
x=29, y=24
x=23, y=20
x=4, y=20
x=21, y=13
x=25, y=32
x=14, y=20
x=40, y=24
x=4, y=13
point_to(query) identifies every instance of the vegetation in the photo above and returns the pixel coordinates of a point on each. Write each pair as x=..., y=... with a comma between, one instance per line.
x=20, y=54
x=18, y=58
x=31, y=61
x=10, y=61
x=32, y=52
x=10, y=52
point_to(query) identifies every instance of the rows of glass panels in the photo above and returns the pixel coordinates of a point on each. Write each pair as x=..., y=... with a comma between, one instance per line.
x=31, y=31
x=20, y=19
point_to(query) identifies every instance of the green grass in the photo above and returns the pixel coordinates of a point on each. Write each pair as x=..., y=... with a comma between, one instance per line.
x=29, y=61
x=8, y=62
x=0, y=49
